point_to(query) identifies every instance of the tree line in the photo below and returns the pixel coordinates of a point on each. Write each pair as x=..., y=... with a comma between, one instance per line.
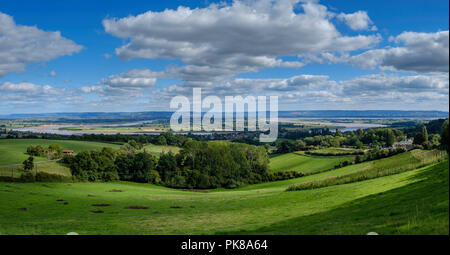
x=373, y=138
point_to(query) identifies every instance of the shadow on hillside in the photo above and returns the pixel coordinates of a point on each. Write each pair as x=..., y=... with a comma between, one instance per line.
x=417, y=208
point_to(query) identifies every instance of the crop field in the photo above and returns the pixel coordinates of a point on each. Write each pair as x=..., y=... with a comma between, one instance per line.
x=13, y=151
x=304, y=163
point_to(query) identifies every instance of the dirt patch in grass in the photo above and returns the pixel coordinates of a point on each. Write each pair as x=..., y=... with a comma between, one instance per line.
x=101, y=204
x=115, y=190
x=176, y=207
x=24, y=209
x=91, y=195
x=97, y=211
x=136, y=207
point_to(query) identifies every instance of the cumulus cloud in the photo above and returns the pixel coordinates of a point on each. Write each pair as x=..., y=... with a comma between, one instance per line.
x=29, y=89
x=398, y=92
x=26, y=93
x=377, y=91
x=130, y=84
x=23, y=45
x=223, y=40
x=422, y=52
x=418, y=52
x=357, y=21
x=136, y=78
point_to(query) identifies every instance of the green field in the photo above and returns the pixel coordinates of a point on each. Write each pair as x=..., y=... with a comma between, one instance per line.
x=13, y=151
x=50, y=167
x=412, y=202
x=304, y=163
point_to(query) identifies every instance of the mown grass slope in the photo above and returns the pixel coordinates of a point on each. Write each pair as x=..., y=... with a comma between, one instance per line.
x=304, y=163
x=413, y=202
x=420, y=207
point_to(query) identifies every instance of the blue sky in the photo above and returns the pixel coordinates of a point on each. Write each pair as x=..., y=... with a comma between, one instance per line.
x=313, y=55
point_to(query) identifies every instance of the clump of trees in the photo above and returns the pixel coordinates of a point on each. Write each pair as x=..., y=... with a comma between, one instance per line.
x=36, y=151
x=94, y=165
x=198, y=165
x=53, y=151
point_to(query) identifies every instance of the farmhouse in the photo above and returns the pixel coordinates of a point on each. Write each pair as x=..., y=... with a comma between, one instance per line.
x=67, y=152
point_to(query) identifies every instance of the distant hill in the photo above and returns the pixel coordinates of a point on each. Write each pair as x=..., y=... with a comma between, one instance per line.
x=142, y=116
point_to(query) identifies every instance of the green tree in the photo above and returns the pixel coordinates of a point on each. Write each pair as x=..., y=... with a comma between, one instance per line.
x=54, y=151
x=167, y=166
x=84, y=167
x=421, y=138
x=445, y=136
x=390, y=137
x=28, y=164
x=162, y=140
x=425, y=133
x=301, y=145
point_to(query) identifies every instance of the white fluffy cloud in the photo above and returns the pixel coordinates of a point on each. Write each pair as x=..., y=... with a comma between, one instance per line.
x=224, y=40
x=26, y=88
x=23, y=45
x=377, y=91
x=418, y=52
x=136, y=78
x=379, y=84
x=130, y=84
x=29, y=94
x=358, y=21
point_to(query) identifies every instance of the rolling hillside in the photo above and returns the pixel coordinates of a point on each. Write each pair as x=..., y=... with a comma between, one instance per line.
x=412, y=202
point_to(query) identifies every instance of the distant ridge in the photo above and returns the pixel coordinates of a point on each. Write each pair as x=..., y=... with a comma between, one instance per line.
x=161, y=115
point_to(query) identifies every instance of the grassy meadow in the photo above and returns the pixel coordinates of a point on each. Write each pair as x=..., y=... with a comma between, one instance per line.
x=13, y=151
x=412, y=202
x=304, y=163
